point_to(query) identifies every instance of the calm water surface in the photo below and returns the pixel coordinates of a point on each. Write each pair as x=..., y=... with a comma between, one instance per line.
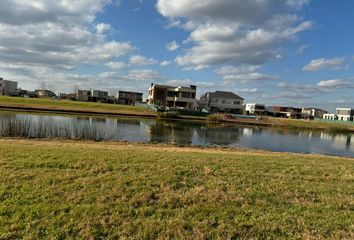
x=188, y=133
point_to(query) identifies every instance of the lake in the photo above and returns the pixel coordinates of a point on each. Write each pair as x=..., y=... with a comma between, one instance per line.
x=13, y=124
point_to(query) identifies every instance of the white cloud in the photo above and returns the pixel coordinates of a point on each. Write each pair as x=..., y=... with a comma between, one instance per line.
x=140, y=60
x=44, y=37
x=165, y=63
x=301, y=49
x=248, y=91
x=243, y=73
x=294, y=95
x=234, y=31
x=322, y=63
x=227, y=9
x=144, y=75
x=227, y=70
x=179, y=82
x=334, y=83
x=172, y=46
x=102, y=28
x=116, y=65
x=293, y=87
x=249, y=77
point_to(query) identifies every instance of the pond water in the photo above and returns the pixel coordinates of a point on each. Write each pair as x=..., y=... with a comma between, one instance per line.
x=177, y=132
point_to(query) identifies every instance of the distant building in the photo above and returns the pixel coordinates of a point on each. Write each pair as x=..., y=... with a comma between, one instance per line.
x=330, y=116
x=220, y=101
x=285, y=112
x=345, y=114
x=255, y=109
x=92, y=96
x=8, y=88
x=129, y=98
x=83, y=95
x=173, y=96
x=45, y=93
x=98, y=96
x=313, y=112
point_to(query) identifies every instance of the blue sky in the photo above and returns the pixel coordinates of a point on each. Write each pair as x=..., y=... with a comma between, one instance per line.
x=273, y=51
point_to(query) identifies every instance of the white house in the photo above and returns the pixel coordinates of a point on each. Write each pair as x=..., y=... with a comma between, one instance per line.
x=345, y=114
x=330, y=116
x=255, y=109
x=313, y=112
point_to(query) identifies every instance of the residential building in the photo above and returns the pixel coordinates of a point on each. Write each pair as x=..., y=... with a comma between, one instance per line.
x=330, y=116
x=285, y=112
x=172, y=96
x=83, y=95
x=45, y=93
x=8, y=88
x=313, y=112
x=255, y=109
x=345, y=114
x=129, y=98
x=98, y=96
x=92, y=95
x=220, y=101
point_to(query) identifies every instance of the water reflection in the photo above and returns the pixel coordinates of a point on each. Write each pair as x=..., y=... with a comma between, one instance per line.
x=182, y=133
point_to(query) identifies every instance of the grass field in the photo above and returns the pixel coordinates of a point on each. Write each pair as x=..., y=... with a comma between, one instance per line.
x=49, y=104
x=86, y=190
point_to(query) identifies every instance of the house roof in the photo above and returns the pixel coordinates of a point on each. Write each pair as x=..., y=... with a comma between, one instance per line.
x=222, y=94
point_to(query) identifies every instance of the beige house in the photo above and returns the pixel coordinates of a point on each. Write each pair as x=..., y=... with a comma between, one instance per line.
x=178, y=97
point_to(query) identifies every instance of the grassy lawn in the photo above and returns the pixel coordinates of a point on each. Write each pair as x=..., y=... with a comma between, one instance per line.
x=72, y=105
x=86, y=190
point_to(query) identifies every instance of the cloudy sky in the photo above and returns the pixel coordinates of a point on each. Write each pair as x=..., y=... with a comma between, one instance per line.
x=290, y=52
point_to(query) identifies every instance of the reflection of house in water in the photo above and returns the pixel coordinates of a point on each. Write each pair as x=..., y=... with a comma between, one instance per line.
x=343, y=142
x=310, y=134
x=248, y=132
x=219, y=135
x=170, y=132
x=340, y=141
x=128, y=122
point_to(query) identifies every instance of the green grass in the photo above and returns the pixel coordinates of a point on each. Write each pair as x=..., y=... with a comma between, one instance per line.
x=311, y=125
x=76, y=190
x=49, y=104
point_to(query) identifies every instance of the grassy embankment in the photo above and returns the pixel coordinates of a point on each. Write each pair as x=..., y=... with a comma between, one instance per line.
x=90, y=190
x=333, y=127
x=306, y=124
x=76, y=107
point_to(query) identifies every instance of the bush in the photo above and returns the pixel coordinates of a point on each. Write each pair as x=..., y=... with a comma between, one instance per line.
x=167, y=115
x=216, y=117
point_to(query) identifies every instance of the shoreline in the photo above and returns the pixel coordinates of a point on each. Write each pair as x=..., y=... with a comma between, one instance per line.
x=95, y=110
x=169, y=147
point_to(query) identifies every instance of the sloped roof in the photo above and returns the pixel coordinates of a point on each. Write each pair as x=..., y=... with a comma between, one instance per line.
x=222, y=94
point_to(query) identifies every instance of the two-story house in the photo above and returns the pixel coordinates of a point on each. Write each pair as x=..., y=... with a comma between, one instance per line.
x=178, y=97
x=221, y=102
